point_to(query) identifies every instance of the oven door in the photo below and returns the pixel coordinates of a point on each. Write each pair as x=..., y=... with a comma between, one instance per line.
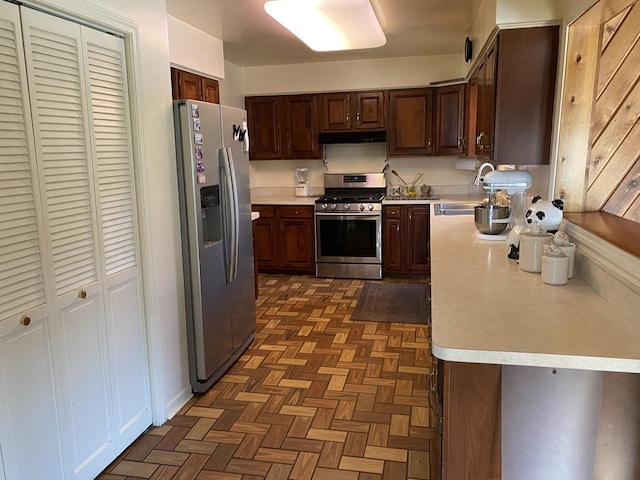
x=345, y=238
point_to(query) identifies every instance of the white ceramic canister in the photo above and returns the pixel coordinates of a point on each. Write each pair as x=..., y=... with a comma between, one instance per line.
x=569, y=251
x=531, y=251
x=555, y=269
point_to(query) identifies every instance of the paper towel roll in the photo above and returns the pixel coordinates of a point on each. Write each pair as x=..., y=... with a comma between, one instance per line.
x=470, y=164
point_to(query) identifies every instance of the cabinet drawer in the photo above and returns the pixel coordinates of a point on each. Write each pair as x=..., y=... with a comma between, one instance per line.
x=296, y=212
x=392, y=212
x=265, y=211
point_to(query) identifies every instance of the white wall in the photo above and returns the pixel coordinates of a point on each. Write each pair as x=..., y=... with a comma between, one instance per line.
x=439, y=172
x=146, y=20
x=231, y=93
x=194, y=50
x=352, y=75
x=529, y=12
x=506, y=13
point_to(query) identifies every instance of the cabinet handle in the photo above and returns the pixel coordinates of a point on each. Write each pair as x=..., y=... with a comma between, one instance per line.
x=460, y=142
x=429, y=142
x=25, y=321
x=432, y=392
x=82, y=294
x=479, y=140
x=358, y=117
x=347, y=118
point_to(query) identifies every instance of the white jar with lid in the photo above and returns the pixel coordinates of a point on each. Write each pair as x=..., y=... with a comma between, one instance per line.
x=570, y=251
x=555, y=268
x=531, y=250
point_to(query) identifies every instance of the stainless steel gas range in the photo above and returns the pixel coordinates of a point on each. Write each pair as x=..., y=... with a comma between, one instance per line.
x=349, y=226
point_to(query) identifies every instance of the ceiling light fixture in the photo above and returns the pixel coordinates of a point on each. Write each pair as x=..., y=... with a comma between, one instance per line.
x=329, y=25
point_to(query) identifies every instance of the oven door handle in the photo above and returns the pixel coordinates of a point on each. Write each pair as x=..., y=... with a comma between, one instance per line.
x=350, y=216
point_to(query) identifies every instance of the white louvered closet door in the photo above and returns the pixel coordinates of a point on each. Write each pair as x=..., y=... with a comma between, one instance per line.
x=110, y=132
x=28, y=414
x=57, y=85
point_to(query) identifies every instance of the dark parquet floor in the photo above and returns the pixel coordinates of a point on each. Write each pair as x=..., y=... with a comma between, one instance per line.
x=315, y=397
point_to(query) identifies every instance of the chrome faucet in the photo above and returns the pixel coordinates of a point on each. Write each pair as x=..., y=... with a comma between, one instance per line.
x=476, y=181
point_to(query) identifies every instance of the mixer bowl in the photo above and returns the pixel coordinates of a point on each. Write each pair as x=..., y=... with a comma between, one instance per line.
x=492, y=219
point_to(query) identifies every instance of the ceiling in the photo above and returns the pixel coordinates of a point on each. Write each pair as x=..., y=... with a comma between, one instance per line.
x=253, y=38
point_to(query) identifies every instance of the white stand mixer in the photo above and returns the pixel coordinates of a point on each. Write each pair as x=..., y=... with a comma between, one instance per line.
x=514, y=183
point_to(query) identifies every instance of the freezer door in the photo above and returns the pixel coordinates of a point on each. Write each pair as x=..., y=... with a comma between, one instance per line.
x=235, y=140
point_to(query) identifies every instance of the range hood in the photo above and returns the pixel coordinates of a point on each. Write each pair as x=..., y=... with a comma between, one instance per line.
x=353, y=137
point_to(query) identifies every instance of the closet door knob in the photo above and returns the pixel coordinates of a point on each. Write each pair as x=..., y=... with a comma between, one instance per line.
x=82, y=294
x=25, y=321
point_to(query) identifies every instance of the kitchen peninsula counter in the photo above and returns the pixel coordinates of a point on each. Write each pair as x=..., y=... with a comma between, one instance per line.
x=486, y=310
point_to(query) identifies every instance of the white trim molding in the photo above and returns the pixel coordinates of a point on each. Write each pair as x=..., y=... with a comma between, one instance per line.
x=609, y=270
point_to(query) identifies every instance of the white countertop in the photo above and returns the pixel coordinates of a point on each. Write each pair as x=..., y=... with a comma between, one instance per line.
x=486, y=310
x=282, y=200
x=293, y=200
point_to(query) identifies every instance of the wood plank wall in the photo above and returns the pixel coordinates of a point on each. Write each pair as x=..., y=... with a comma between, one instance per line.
x=599, y=149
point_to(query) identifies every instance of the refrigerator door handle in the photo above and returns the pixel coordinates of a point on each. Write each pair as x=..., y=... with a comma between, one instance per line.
x=230, y=209
x=225, y=182
x=235, y=216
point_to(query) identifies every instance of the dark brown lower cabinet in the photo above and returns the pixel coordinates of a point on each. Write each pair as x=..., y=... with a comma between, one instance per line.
x=405, y=239
x=284, y=238
x=470, y=402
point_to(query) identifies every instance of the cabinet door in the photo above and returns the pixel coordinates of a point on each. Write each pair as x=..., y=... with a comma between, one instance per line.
x=336, y=112
x=417, y=239
x=471, y=110
x=264, y=229
x=264, y=116
x=301, y=126
x=296, y=243
x=189, y=85
x=450, y=120
x=370, y=110
x=391, y=240
x=525, y=76
x=486, y=103
x=210, y=90
x=296, y=238
x=410, y=122
x=471, y=442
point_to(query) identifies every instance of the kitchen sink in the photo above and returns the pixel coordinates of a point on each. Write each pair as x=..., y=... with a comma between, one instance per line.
x=455, y=208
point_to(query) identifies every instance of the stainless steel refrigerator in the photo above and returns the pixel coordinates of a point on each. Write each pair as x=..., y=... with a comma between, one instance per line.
x=217, y=241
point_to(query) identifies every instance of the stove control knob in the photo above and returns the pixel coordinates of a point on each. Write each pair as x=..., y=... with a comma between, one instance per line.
x=333, y=206
x=361, y=207
x=347, y=206
x=324, y=206
x=370, y=207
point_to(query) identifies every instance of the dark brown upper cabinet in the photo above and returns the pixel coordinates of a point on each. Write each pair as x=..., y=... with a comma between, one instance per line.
x=514, y=83
x=349, y=111
x=411, y=115
x=283, y=127
x=187, y=85
x=450, y=135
